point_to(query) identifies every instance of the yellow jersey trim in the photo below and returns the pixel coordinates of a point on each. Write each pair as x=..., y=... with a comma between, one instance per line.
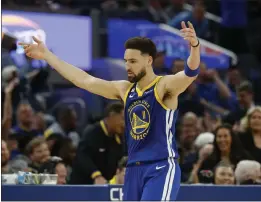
x=104, y=128
x=95, y=174
x=118, y=139
x=47, y=133
x=140, y=92
x=113, y=180
x=127, y=92
x=158, y=98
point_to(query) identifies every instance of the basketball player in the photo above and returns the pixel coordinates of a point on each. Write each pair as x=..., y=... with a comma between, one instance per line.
x=150, y=112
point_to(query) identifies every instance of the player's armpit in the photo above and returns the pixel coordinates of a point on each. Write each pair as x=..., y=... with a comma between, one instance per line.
x=178, y=83
x=107, y=89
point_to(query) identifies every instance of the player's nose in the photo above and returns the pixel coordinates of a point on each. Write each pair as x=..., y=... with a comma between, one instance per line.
x=128, y=68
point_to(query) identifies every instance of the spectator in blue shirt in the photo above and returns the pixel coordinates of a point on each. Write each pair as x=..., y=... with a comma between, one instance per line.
x=211, y=88
x=233, y=25
x=24, y=131
x=196, y=17
x=159, y=66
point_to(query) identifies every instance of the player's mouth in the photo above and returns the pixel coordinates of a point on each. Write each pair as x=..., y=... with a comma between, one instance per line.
x=130, y=75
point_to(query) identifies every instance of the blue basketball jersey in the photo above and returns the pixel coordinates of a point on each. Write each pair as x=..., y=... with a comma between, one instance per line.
x=150, y=125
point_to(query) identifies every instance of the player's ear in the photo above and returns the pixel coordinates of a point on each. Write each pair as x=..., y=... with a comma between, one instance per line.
x=150, y=61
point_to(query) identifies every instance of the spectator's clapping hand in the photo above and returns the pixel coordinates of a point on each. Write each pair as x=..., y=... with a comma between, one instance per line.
x=212, y=73
x=205, y=151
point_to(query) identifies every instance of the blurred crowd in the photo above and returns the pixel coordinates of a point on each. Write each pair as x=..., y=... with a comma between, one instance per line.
x=219, y=125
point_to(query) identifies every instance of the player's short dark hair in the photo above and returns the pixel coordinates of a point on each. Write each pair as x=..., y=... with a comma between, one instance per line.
x=245, y=86
x=143, y=44
x=115, y=107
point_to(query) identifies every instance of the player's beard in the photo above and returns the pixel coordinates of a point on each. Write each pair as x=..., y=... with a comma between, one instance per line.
x=138, y=77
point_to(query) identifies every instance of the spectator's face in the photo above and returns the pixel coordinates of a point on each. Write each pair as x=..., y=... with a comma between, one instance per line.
x=234, y=77
x=255, y=121
x=61, y=171
x=71, y=121
x=25, y=114
x=245, y=98
x=120, y=175
x=199, y=12
x=177, y=2
x=40, y=154
x=68, y=153
x=39, y=123
x=118, y=121
x=188, y=135
x=5, y=155
x=159, y=61
x=136, y=64
x=178, y=66
x=189, y=122
x=224, y=175
x=224, y=140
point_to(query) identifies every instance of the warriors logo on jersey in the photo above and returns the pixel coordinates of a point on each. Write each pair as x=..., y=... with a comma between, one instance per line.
x=139, y=117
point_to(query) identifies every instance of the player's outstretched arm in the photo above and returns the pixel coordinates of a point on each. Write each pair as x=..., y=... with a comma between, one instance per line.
x=179, y=82
x=108, y=89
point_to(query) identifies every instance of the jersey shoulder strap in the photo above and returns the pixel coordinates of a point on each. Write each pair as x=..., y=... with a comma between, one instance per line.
x=127, y=93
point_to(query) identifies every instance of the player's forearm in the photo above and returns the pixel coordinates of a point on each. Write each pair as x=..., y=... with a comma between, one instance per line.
x=68, y=71
x=194, y=58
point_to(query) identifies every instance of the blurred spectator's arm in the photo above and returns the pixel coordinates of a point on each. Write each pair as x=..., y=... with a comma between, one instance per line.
x=204, y=153
x=175, y=22
x=85, y=154
x=193, y=178
x=222, y=88
x=8, y=110
x=214, y=107
x=87, y=164
x=32, y=74
x=203, y=31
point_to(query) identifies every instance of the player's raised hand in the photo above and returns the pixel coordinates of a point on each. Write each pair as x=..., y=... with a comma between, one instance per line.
x=36, y=51
x=188, y=33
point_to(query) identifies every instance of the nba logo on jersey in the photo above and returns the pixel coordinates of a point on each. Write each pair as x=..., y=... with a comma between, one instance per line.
x=139, y=117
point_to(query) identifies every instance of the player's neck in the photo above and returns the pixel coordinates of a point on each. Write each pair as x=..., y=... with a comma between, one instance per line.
x=146, y=80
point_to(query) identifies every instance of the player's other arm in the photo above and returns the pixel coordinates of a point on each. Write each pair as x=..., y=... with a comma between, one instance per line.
x=108, y=89
x=179, y=82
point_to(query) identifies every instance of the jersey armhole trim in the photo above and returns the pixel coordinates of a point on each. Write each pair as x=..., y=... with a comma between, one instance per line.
x=158, y=98
x=127, y=93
